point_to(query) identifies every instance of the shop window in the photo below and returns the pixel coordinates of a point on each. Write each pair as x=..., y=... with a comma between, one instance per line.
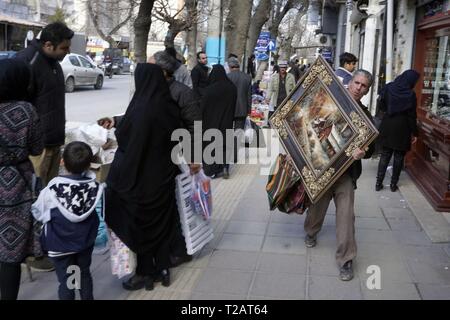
x=436, y=81
x=439, y=162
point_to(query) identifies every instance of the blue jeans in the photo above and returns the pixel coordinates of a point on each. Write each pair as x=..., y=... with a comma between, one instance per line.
x=83, y=261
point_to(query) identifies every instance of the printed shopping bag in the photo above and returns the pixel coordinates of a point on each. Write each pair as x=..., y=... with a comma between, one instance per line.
x=123, y=260
x=201, y=197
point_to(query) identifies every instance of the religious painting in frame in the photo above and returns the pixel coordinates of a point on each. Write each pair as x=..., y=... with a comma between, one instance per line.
x=320, y=125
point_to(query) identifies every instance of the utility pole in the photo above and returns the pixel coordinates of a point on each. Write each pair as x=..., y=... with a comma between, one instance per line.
x=348, y=31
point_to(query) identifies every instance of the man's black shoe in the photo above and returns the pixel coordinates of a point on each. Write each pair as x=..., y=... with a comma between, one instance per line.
x=394, y=187
x=378, y=186
x=175, y=261
x=136, y=282
x=346, y=271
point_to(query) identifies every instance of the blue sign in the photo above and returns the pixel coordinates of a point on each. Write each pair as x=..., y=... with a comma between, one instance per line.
x=263, y=41
x=327, y=54
x=272, y=46
x=262, y=56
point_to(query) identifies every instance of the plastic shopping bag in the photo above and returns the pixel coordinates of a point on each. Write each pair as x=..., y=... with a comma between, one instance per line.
x=201, y=197
x=101, y=241
x=123, y=260
x=248, y=131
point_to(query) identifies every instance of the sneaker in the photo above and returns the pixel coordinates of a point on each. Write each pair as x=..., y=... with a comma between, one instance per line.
x=43, y=264
x=346, y=271
x=310, y=242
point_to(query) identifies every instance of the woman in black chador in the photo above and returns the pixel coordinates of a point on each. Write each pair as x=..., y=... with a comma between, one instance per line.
x=397, y=102
x=218, y=107
x=140, y=197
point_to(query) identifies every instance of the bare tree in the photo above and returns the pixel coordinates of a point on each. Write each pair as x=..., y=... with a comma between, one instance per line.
x=259, y=18
x=142, y=25
x=109, y=16
x=293, y=28
x=237, y=25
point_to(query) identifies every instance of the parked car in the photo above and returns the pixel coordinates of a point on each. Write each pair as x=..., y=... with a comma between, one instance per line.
x=7, y=54
x=78, y=71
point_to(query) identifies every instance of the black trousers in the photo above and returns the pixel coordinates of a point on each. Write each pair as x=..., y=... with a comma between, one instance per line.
x=83, y=261
x=385, y=158
x=9, y=280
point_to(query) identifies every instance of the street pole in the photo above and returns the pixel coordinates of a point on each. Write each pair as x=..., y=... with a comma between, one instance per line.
x=270, y=61
x=220, y=34
x=348, y=31
x=389, y=39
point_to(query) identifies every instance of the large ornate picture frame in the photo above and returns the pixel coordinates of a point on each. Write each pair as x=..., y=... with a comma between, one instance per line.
x=320, y=125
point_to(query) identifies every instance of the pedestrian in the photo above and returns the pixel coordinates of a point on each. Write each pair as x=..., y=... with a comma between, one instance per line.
x=397, y=102
x=47, y=94
x=66, y=207
x=347, y=64
x=20, y=136
x=251, y=66
x=189, y=105
x=243, y=83
x=294, y=70
x=199, y=74
x=140, y=194
x=218, y=107
x=281, y=85
x=181, y=73
x=343, y=193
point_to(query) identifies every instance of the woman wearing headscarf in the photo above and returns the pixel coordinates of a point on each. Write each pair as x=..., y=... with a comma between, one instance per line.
x=218, y=106
x=140, y=197
x=20, y=137
x=398, y=103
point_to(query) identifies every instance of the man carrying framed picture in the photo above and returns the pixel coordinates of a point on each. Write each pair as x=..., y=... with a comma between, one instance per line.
x=343, y=193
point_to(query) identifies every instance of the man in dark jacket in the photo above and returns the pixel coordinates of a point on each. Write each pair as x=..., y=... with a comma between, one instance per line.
x=343, y=192
x=243, y=83
x=199, y=74
x=47, y=93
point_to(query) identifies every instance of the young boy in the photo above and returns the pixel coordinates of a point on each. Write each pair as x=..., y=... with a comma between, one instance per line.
x=66, y=207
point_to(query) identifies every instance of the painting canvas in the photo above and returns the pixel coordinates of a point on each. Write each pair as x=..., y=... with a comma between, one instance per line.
x=320, y=125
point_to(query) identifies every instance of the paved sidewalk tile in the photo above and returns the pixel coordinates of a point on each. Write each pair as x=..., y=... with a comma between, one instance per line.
x=327, y=287
x=282, y=285
x=323, y=265
x=434, y=292
x=236, y=260
x=282, y=263
x=286, y=245
x=286, y=230
x=429, y=273
x=246, y=227
x=371, y=223
x=217, y=281
x=243, y=242
x=391, y=291
x=390, y=270
x=411, y=237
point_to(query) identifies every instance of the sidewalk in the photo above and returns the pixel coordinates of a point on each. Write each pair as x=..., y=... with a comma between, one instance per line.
x=258, y=254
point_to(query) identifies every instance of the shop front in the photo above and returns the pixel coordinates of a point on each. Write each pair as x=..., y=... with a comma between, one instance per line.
x=429, y=162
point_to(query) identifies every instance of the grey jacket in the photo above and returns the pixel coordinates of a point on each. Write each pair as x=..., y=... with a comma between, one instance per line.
x=274, y=86
x=243, y=83
x=183, y=75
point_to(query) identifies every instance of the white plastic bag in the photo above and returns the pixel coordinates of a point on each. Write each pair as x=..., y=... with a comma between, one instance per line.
x=123, y=260
x=92, y=134
x=249, y=132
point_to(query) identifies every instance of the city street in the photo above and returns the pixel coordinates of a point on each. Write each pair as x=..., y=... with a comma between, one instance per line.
x=86, y=104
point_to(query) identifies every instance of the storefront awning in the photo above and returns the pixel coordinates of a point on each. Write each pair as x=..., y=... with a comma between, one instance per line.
x=11, y=20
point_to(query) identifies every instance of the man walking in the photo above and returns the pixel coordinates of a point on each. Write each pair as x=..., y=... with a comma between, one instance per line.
x=47, y=94
x=243, y=83
x=199, y=74
x=281, y=85
x=343, y=193
x=347, y=64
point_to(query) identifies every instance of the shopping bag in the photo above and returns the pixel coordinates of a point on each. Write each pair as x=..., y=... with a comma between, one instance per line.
x=296, y=200
x=101, y=241
x=283, y=177
x=201, y=197
x=123, y=260
x=248, y=131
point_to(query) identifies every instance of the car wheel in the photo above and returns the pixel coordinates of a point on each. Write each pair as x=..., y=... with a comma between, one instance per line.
x=99, y=83
x=70, y=84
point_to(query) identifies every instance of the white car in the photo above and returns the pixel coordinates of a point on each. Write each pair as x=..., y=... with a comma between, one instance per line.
x=79, y=71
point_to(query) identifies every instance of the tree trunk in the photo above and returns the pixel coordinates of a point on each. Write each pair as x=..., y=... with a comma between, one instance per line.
x=142, y=28
x=169, y=40
x=191, y=34
x=236, y=27
x=258, y=20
